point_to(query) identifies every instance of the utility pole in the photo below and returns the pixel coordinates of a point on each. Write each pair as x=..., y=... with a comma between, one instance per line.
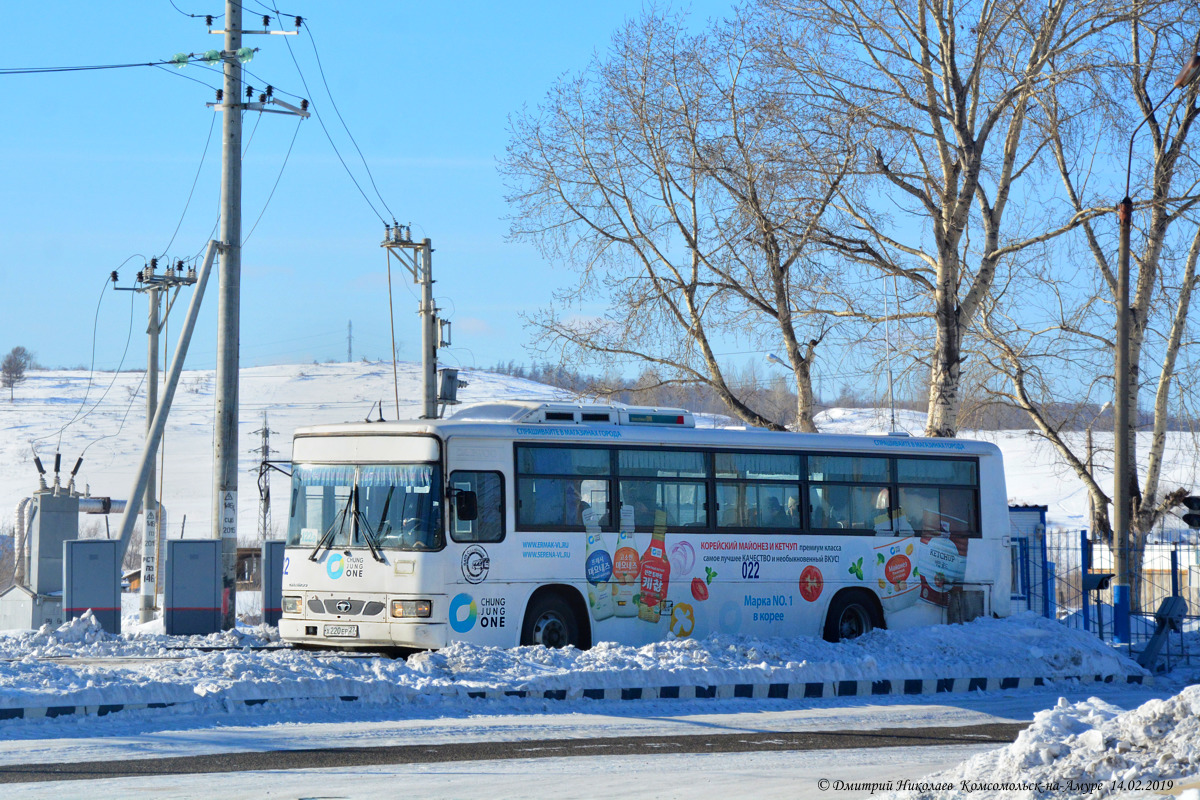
x=349, y=340
x=417, y=258
x=154, y=283
x=229, y=277
x=264, y=479
x=225, y=444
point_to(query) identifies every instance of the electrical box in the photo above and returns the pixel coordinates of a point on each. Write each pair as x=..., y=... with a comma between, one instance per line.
x=272, y=581
x=56, y=521
x=92, y=580
x=192, y=603
x=447, y=386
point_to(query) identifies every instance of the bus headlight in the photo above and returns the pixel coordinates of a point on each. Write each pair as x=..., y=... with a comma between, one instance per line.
x=291, y=605
x=411, y=608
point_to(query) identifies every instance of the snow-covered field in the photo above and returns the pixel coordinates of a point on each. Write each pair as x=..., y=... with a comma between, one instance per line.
x=57, y=411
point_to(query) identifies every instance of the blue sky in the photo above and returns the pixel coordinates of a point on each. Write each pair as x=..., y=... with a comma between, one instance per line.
x=98, y=166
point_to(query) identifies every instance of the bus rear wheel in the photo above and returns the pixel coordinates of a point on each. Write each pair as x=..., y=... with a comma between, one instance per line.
x=550, y=622
x=851, y=615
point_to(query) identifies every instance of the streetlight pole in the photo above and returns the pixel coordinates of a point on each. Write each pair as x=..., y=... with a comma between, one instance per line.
x=1122, y=490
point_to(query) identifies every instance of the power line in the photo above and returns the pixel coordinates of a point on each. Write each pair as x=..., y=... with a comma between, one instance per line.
x=194, y=16
x=275, y=185
x=191, y=58
x=313, y=105
x=92, y=366
x=332, y=102
x=195, y=180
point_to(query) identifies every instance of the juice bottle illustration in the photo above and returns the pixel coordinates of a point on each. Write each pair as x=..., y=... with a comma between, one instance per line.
x=656, y=571
x=626, y=567
x=599, y=568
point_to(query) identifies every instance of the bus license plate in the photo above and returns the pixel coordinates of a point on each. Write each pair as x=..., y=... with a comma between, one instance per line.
x=342, y=631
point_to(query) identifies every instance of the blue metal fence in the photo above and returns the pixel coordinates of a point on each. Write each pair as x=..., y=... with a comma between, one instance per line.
x=1058, y=574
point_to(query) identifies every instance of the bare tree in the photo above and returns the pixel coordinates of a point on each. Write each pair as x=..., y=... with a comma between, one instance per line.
x=1079, y=330
x=683, y=181
x=944, y=93
x=12, y=368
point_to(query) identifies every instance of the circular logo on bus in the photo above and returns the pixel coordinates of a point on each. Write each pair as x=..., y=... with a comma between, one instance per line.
x=475, y=564
x=463, y=613
x=335, y=566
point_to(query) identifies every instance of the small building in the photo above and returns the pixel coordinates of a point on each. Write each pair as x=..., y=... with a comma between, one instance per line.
x=22, y=608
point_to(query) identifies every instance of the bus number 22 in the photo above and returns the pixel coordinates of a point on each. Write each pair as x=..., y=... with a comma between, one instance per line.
x=750, y=570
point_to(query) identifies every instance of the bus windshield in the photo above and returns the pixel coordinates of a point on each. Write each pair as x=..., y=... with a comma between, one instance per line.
x=393, y=506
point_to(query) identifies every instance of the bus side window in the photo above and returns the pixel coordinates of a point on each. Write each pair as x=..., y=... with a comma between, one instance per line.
x=488, y=525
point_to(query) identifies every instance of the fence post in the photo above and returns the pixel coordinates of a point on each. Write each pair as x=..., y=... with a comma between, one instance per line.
x=1045, y=577
x=1175, y=571
x=1085, y=566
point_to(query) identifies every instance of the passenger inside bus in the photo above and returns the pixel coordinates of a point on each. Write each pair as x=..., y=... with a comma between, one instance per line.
x=645, y=507
x=775, y=516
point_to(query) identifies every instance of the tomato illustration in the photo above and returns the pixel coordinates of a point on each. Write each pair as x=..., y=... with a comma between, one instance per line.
x=699, y=589
x=811, y=583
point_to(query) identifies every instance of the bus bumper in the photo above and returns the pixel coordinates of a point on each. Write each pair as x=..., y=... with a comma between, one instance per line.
x=418, y=635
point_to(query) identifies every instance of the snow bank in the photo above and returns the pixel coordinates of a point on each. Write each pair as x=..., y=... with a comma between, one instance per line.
x=1090, y=749
x=80, y=664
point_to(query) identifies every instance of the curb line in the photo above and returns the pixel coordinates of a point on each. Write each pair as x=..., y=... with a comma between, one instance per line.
x=758, y=691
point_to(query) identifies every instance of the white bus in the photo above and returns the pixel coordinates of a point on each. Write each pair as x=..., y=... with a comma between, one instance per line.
x=560, y=524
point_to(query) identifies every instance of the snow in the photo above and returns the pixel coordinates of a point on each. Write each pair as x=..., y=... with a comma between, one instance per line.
x=1091, y=748
x=80, y=664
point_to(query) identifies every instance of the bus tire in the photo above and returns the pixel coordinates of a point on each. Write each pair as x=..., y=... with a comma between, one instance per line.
x=550, y=621
x=852, y=613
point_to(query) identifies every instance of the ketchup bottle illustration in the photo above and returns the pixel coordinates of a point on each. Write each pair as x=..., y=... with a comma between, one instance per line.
x=656, y=571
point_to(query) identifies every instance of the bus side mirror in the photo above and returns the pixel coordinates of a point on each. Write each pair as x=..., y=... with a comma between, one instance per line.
x=466, y=505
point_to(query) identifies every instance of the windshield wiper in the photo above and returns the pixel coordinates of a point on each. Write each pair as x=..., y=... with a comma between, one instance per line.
x=387, y=503
x=326, y=540
x=364, y=524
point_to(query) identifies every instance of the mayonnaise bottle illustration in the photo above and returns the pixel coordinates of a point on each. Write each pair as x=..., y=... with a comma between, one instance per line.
x=599, y=568
x=626, y=567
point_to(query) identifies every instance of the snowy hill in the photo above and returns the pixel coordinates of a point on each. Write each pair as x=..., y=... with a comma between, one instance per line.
x=58, y=410
x=106, y=422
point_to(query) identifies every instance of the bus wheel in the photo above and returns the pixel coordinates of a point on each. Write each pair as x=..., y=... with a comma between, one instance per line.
x=550, y=622
x=851, y=614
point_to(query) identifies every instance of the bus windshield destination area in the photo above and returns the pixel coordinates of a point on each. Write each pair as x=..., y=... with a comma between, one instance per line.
x=560, y=524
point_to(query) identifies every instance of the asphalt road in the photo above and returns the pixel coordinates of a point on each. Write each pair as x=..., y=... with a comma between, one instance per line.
x=999, y=733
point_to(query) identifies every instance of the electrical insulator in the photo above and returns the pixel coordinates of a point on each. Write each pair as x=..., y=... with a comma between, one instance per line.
x=208, y=20
x=139, y=277
x=249, y=92
x=153, y=265
x=114, y=277
x=304, y=105
x=220, y=95
x=262, y=98
x=179, y=266
x=266, y=21
x=299, y=21
x=270, y=91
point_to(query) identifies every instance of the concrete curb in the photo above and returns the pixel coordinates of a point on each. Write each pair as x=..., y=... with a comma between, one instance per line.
x=758, y=691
